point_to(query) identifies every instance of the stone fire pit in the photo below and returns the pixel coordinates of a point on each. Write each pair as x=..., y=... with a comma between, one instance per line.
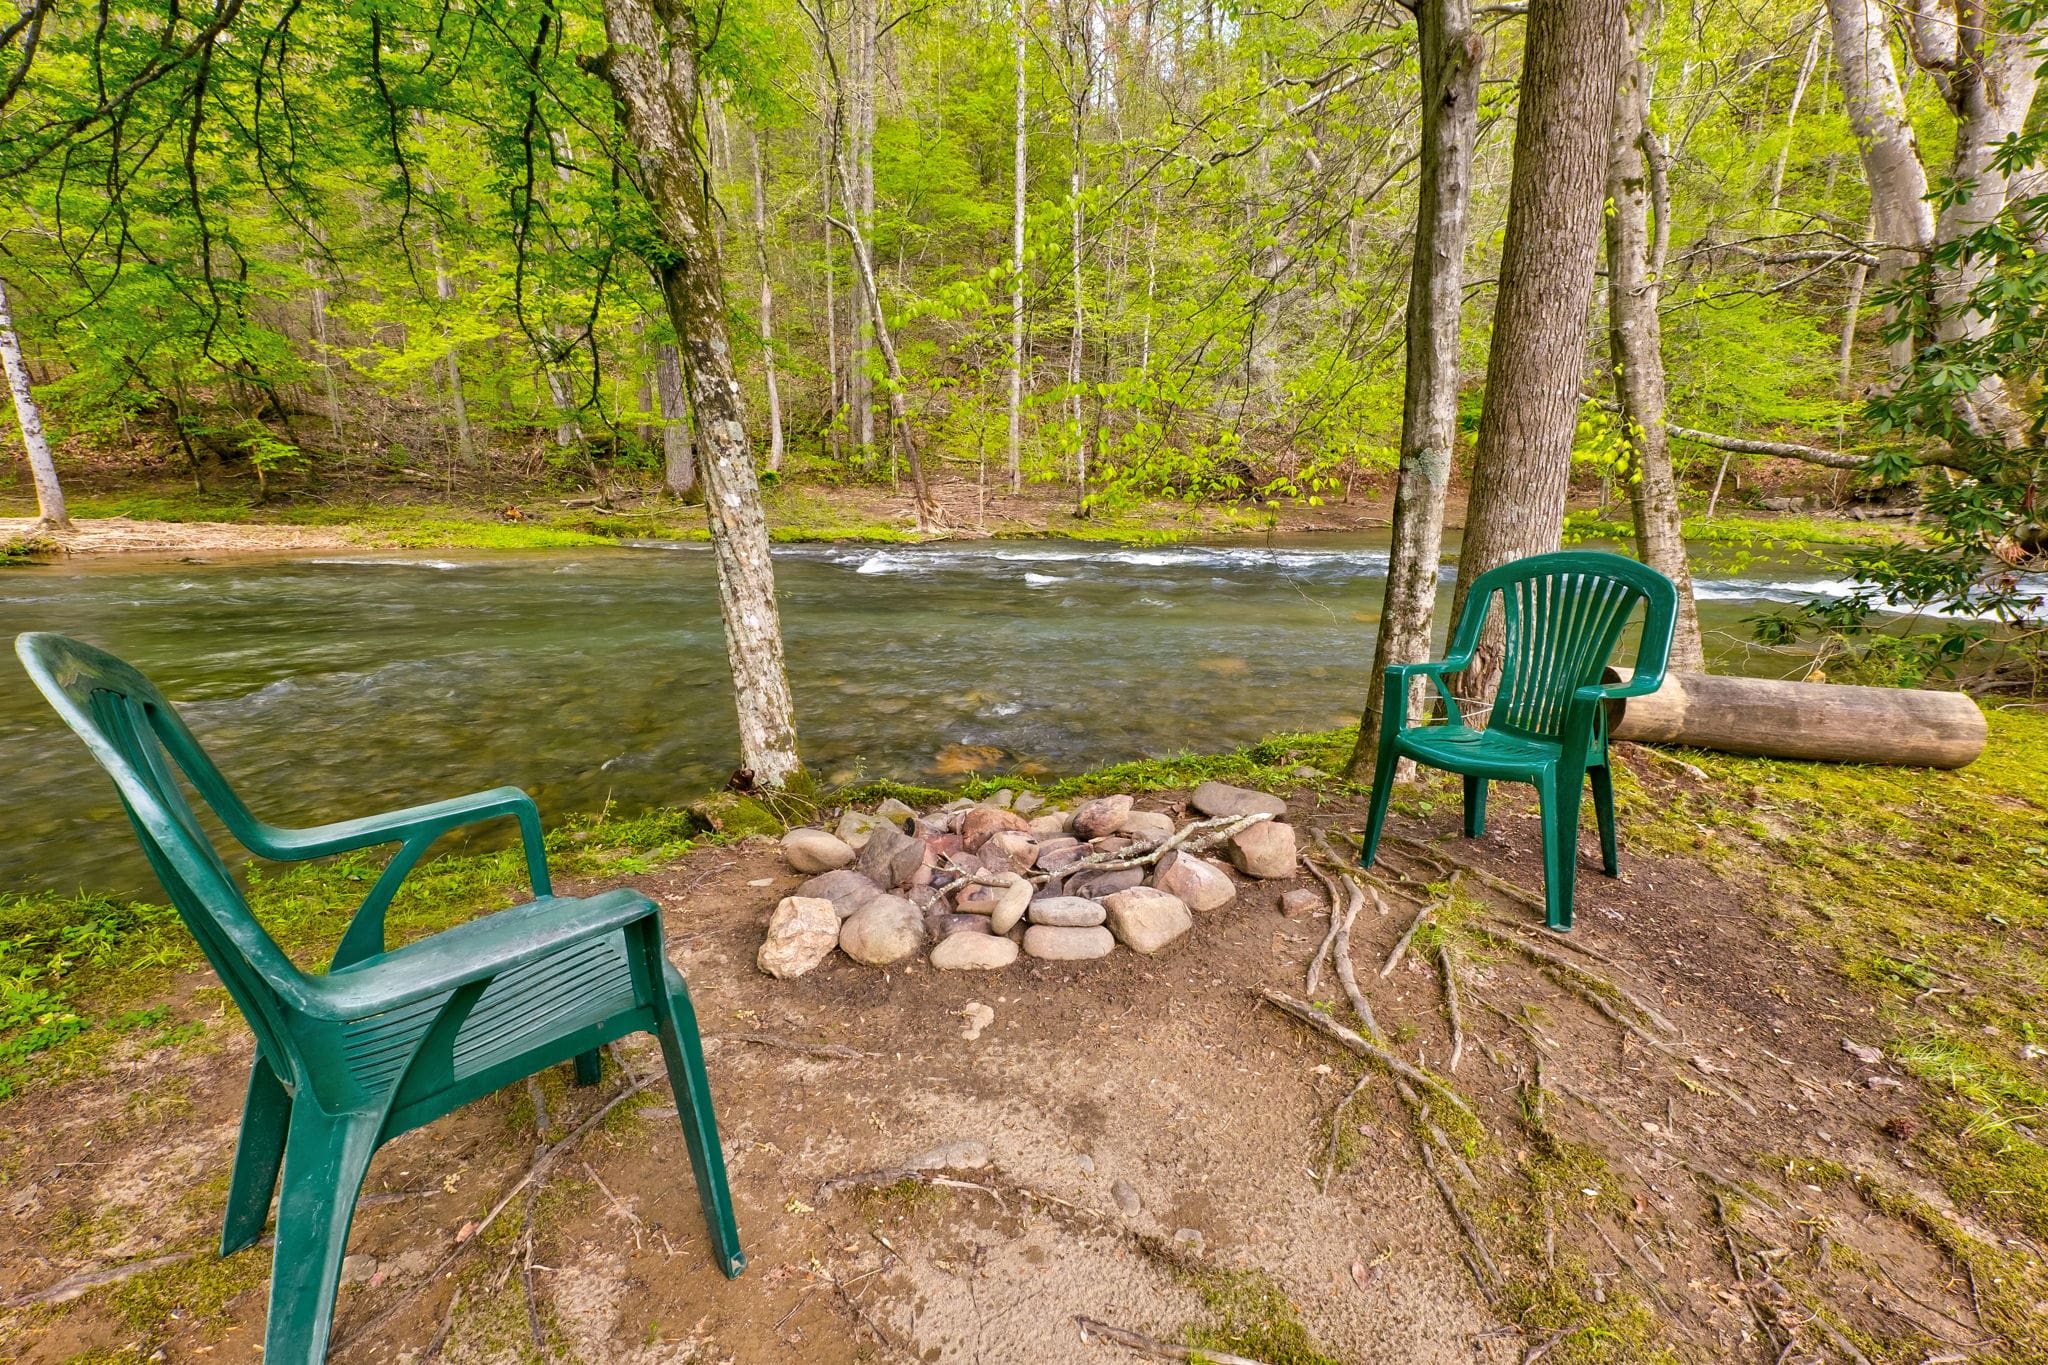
x=973, y=885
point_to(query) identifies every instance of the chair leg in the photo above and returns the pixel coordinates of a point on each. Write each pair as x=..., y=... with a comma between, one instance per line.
x=259, y=1151
x=589, y=1067
x=1475, y=807
x=682, y=1051
x=1603, y=812
x=325, y=1161
x=1382, y=794
x=1560, y=801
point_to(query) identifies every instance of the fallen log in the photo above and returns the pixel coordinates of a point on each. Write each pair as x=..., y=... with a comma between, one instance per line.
x=1827, y=721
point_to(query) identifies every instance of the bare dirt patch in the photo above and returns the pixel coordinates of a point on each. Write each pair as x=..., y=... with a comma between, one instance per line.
x=121, y=535
x=1714, y=1196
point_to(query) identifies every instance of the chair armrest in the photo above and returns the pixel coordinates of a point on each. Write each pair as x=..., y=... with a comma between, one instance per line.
x=345, y=836
x=1399, y=674
x=476, y=951
x=1634, y=687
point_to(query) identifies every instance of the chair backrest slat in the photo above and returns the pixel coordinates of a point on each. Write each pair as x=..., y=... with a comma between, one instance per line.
x=1563, y=614
x=138, y=737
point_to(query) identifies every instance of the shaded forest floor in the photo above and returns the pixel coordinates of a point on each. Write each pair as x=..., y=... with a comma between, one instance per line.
x=120, y=509
x=1831, y=1153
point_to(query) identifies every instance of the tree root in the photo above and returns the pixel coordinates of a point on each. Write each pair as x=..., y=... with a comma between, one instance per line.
x=1577, y=973
x=534, y=1172
x=1491, y=1280
x=1337, y=1131
x=1316, y=1019
x=1447, y=960
x=1421, y=917
x=1346, y=977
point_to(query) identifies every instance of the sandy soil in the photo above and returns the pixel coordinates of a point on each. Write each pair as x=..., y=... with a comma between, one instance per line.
x=1164, y=1074
x=121, y=535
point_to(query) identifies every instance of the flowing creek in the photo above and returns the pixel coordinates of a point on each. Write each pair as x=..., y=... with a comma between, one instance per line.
x=334, y=687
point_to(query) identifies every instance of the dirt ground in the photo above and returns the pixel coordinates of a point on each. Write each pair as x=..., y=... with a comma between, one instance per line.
x=1612, y=1173
x=122, y=535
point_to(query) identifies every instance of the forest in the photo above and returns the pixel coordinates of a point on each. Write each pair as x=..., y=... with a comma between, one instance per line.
x=1029, y=592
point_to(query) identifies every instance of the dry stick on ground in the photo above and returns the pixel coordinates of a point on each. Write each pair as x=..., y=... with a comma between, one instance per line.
x=1316, y=1019
x=1202, y=834
x=433, y=1351
x=894, y=1175
x=1540, y=1349
x=1152, y=1346
x=836, y=1050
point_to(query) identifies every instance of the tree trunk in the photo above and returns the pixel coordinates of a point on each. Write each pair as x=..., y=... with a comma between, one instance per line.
x=899, y=411
x=835, y=375
x=1522, y=469
x=444, y=290
x=1992, y=88
x=859, y=204
x=678, y=443
x=326, y=356
x=1016, y=453
x=49, y=493
x=767, y=310
x=1636, y=348
x=1901, y=218
x=651, y=66
x=1451, y=56
x=1792, y=116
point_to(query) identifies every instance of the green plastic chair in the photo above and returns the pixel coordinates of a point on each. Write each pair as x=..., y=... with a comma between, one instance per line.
x=385, y=1041
x=1548, y=726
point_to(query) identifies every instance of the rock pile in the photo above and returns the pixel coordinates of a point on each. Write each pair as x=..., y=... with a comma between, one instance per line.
x=976, y=884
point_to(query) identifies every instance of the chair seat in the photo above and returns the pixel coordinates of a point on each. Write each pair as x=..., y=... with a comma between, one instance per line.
x=1482, y=753
x=531, y=1006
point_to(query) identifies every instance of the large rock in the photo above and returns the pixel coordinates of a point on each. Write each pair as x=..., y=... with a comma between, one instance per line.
x=974, y=952
x=815, y=850
x=1220, y=798
x=1265, y=850
x=1145, y=919
x=1101, y=816
x=1045, y=826
x=1008, y=851
x=1004, y=905
x=1056, y=944
x=1100, y=884
x=1027, y=802
x=855, y=826
x=846, y=889
x=940, y=926
x=801, y=932
x=1146, y=824
x=1066, y=912
x=983, y=821
x=1010, y=909
x=891, y=857
x=887, y=929
x=1197, y=882
x=895, y=812
x=1056, y=853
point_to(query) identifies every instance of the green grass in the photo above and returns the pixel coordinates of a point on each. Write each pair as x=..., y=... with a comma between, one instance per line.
x=1930, y=890
x=82, y=976
x=1250, y=1316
